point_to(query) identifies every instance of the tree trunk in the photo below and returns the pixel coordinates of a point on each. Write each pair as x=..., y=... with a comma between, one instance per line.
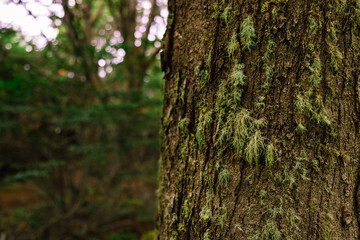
x=260, y=126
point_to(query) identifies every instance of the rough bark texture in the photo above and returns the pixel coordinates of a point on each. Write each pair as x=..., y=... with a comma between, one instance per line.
x=260, y=126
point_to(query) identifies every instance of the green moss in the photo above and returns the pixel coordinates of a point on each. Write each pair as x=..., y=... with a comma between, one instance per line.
x=209, y=196
x=263, y=195
x=247, y=32
x=300, y=129
x=222, y=97
x=269, y=232
x=265, y=6
x=316, y=111
x=302, y=104
x=238, y=76
x=269, y=155
x=200, y=134
x=207, y=235
x=315, y=76
x=221, y=216
x=289, y=177
x=321, y=116
x=243, y=126
x=205, y=120
x=327, y=226
x=209, y=59
x=254, y=148
x=204, y=78
x=357, y=11
x=274, y=12
x=224, y=134
x=206, y=214
x=233, y=45
x=185, y=209
x=268, y=64
x=183, y=125
x=260, y=102
x=226, y=15
x=292, y=219
x=275, y=211
x=238, y=227
x=184, y=148
x=335, y=54
x=224, y=177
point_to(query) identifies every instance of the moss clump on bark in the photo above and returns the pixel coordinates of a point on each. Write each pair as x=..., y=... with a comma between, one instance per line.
x=226, y=16
x=247, y=33
x=233, y=45
x=224, y=177
x=205, y=121
x=268, y=64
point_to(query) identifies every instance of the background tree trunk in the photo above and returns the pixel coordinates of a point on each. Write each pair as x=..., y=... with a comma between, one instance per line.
x=260, y=126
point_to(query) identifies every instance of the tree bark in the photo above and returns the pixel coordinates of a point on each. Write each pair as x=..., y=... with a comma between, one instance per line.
x=260, y=125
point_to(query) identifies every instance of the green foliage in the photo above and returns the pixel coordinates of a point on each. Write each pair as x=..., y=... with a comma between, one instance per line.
x=247, y=32
x=78, y=137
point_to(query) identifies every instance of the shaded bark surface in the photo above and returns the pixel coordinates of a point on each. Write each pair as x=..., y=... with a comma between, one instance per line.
x=230, y=104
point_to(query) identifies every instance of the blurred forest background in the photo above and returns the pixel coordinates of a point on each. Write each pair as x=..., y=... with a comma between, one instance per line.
x=80, y=105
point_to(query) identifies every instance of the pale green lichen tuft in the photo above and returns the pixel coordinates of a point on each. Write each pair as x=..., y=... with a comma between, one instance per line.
x=269, y=231
x=238, y=76
x=254, y=148
x=183, y=124
x=221, y=216
x=243, y=125
x=204, y=121
x=300, y=129
x=233, y=45
x=224, y=177
x=226, y=15
x=207, y=235
x=269, y=155
x=315, y=76
x=247, y=32
x=206, y=213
